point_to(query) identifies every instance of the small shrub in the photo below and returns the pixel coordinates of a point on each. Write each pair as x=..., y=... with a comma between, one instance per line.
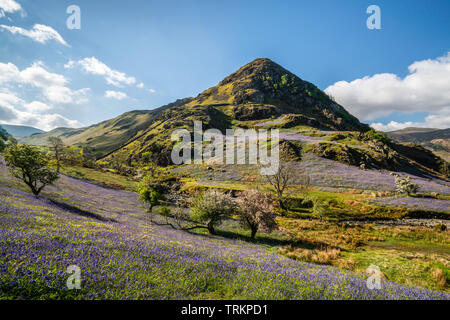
x=164, y=211
x=180, y=214
x=319, y=207
x=405, y=185
x=347, y=263
x=440, y=227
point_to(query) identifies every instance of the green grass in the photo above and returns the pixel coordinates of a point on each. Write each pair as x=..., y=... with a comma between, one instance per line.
x=399, y=266
x=404, y=254
x=107, y=179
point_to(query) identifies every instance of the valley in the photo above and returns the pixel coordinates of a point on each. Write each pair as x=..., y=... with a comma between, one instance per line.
x=343, y=208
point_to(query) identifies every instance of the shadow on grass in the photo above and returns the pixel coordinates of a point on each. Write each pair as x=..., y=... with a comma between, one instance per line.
x=78, y=211
x=259, y=239
x=266, y=239
x=231, y=231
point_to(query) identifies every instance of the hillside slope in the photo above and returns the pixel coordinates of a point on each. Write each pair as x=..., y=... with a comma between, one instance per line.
x=105, y=136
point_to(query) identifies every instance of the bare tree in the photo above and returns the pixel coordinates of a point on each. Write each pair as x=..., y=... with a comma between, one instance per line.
x=279, y=181
x=57, y=145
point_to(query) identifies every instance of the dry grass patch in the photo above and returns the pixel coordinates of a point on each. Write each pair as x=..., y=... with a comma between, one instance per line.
x=321, y=256
x=440, y=278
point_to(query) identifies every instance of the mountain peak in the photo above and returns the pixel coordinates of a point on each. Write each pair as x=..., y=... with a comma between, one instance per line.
x=257, y=68
x=262, y=62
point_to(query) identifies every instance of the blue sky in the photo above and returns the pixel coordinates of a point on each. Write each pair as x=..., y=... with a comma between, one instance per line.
x=143, y=54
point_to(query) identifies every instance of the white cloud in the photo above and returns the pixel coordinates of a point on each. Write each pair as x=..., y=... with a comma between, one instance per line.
x=14, y=110
x=8, y=72
x=425, y=89
x=36, y=107
x=8, y=98
x=440, y=121
x=53, y=85
x=59, y=94
x=48, y=122
x=152, y=90
x=94, y=66
x=9, y=6
x=38, y=76
x=70, y=64
x=115, y=95
x=140, y=85
x=7, y=112
x=40, y=33
x=394, y=125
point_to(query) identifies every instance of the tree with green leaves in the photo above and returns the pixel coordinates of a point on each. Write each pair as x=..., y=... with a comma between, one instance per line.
x=150, y=196
x=211, y=207
x=153, y=190
x=31, y=166
x=119, y=161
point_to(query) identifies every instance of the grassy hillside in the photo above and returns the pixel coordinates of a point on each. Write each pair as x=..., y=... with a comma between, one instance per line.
x=260, y=90
x=100, y=138
x=107, y=136
x=419, y=134
x=42, y=138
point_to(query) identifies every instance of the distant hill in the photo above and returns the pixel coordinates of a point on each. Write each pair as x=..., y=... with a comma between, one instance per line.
x=105, y=136
x=419, y=134
x=20, y=131
x=437, y=140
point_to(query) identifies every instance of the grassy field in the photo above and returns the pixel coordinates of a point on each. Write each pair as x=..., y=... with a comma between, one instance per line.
x=122, y=254
x=102, y=177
